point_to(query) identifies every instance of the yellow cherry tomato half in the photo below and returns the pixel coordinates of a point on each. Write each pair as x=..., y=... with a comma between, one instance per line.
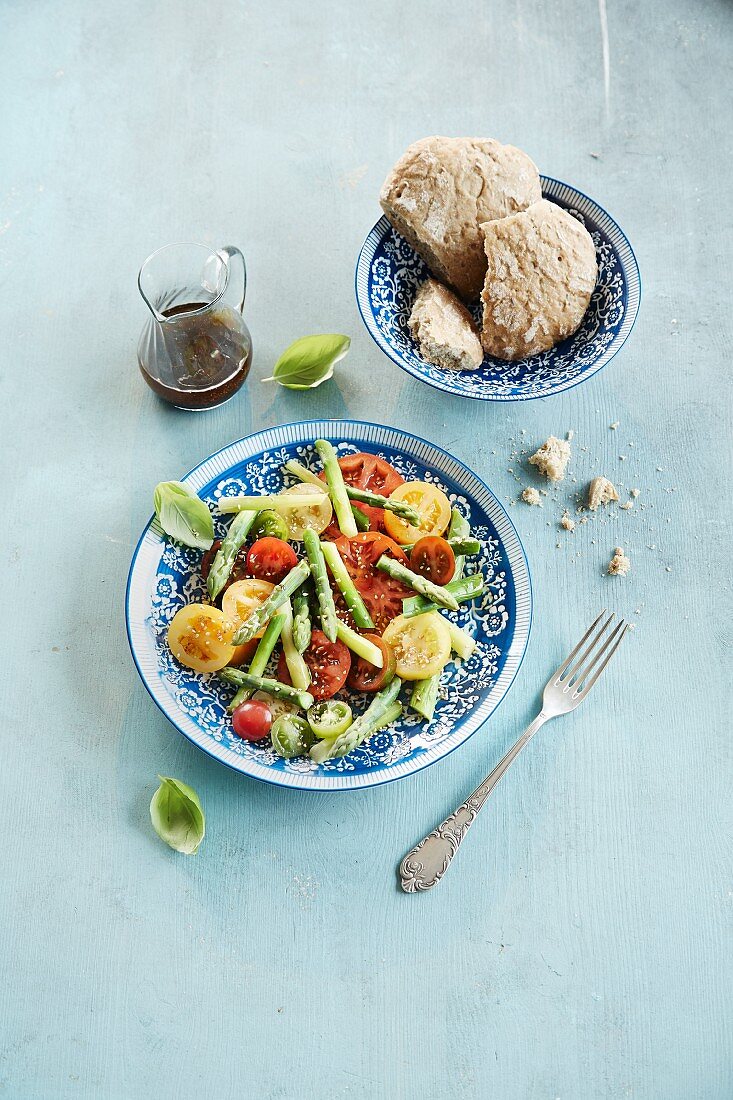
x=421, y=645
x=240, y=600
x=431, y=504
x=316, y=516
x=200, y=637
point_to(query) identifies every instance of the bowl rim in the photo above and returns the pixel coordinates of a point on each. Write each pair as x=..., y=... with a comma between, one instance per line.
x=555, y=187
x=201, y=475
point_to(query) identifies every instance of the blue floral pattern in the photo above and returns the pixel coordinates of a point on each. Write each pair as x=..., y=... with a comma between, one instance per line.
x=389, y=273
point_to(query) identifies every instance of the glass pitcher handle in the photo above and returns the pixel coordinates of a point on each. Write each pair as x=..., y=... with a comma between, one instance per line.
x=233, y=253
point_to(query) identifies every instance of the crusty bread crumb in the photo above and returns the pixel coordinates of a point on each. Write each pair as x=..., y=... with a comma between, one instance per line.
x=552, y=458
x=601, y=491
x=619, y=564
x=444, y=329
x=567, y=521
x=531, y=496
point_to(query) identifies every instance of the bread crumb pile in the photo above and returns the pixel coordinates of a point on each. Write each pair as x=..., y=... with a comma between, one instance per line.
x=619, y=564
x=552, y=458
x=601, y=491
x=592, y=500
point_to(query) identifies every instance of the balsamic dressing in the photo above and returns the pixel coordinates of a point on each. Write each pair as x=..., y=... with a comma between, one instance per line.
x=199, y=360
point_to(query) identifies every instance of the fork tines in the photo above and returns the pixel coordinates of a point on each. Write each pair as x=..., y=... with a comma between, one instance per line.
x=578, y=674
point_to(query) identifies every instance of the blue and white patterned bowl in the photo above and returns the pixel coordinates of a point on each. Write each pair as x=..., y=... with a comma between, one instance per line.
x=164, y=576
x=389, y=271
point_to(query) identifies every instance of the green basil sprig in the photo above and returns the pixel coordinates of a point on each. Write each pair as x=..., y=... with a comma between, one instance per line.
x=177, y=816
x=309, y=361
x=183, y=515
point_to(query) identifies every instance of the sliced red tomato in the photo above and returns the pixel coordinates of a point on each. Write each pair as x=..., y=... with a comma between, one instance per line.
x=433, y=558
x=365, y=471
x=382, y=594
x=208, y=559
x=270, y=559
x=329, y=664
x=365, y=676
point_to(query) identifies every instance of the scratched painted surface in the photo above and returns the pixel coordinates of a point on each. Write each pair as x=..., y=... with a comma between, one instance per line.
x=580, y=946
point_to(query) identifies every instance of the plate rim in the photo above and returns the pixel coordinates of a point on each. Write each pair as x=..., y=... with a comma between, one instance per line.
x=402, y=769
x=628, y=261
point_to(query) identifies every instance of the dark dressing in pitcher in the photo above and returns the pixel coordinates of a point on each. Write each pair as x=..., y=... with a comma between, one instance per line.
x=196, y=360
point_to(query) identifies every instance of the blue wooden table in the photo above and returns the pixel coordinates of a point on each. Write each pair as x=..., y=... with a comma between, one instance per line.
x=580, y=946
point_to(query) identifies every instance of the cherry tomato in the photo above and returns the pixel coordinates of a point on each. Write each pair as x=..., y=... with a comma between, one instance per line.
x=200, y=637
x=365, y=471
x=421, y=645
x=252, y=721
x=383, y=595
x=432, y=505
x=433, y=558
x=244, y=652
x=329, y=664
x=270, y=559
x=242, y=598
x=365, y=676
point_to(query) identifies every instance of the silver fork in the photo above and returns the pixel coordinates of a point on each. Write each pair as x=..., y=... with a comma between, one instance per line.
x=566, y=689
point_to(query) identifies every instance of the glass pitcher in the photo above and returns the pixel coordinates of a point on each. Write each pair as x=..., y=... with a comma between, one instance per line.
x=195, y=350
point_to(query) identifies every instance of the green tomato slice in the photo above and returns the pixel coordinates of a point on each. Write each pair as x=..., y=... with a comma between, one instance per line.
x=329, y=718
x=269, y=523
x=291, y=735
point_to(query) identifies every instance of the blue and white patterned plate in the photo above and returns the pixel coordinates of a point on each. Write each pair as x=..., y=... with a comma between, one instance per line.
x=389, y=271
x=164, y=576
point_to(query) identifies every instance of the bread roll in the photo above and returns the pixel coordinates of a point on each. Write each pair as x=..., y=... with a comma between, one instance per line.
x=440, y=191
x=444, y=329
x=541, y=274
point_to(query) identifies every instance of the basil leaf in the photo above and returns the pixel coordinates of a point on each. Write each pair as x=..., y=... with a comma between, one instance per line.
x=309, y=361
x=183, y=515
x=177, y=816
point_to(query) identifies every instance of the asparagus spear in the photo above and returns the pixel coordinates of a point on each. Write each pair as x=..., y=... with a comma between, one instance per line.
x=391, y=714
x=425, y=696
x=364, y=726
x=222, y=564
x=400, y=507
x=463, y=590
x=360, y=645
x=297, y=469
x=262, y=656
x=317, y=565
x=460, y=642
x=298, y=669
x=459, y=528
x=280, y=593
x=465, y=546
x=361, y=519
x=425, y=587
x=322, y=750
x=271, y=501
x=302, y=699
x=340, y=574
x=336, y=488
x=301, y=620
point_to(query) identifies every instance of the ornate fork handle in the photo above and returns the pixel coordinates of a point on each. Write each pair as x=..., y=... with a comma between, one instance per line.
x=428, y=861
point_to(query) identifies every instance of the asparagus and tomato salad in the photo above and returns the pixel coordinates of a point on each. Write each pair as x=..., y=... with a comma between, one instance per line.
x=329, y=591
